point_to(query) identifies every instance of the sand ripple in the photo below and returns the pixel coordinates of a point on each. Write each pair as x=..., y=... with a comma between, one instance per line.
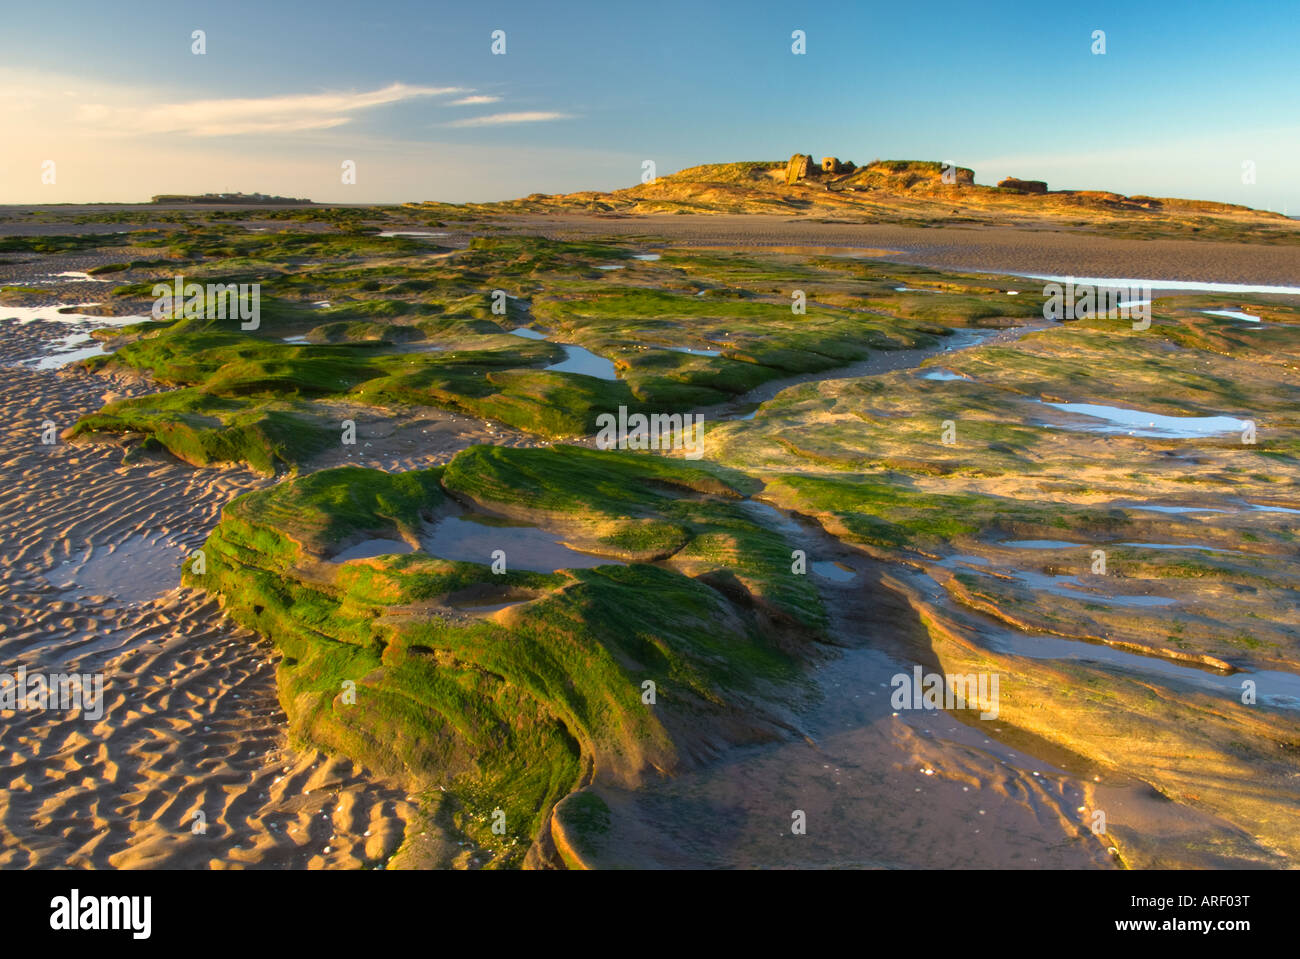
x=90, y=553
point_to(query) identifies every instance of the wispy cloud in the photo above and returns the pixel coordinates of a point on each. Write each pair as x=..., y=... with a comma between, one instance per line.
x=474, y=101
x=500, y=119
x=275, y=114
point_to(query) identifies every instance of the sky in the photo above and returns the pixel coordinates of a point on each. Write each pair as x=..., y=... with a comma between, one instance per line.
x=111, y=103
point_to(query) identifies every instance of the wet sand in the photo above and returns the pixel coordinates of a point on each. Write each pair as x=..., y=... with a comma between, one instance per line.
x=966, y=247
x=1059, y=250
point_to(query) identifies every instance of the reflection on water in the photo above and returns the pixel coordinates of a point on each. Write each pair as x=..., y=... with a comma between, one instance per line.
x=138, y=568
x=1233, y=315
x=580, y=360
x=692, y=350
x=1273, y=688
x=1116, y=419
x=1062, y=544
x=474, y=540
x=834, y=571
x=1068, y=587
x=527, y=333
x=374, y=547
x=1192, y=286
x=938, y=373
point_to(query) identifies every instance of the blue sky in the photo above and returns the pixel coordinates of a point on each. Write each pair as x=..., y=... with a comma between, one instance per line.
x=1184, y=95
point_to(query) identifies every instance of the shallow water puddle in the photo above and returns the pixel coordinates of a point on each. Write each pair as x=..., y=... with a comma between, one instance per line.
x=580, y=360
x=1232, y=315
x=612, y=266
x=648, y=257
x=771, y=517
x=1204, y=546
x=1273, y=687
x=79, y=277
x=577, y=359
x=28, y=314
x=374, y=547
x=1067, y=587
x=527, y=333
x=1170, y=509
x=68, y=349
x=941, y=374
x=1062, y=544
x=1042, y=544
x=62, y=359
x=474, y=540
x=1270, y=509
x=833, y=571
x=694, y=351
x=1115, y=419
x=139, y=568
x=409, y=233
x=1192, y=286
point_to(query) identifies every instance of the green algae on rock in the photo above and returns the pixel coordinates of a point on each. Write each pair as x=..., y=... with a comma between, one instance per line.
x=611, y=673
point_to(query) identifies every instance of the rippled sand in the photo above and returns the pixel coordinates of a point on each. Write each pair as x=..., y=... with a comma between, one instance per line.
x=90, y=554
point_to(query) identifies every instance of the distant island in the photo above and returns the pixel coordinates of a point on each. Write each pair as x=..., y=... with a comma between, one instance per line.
x=252, y=199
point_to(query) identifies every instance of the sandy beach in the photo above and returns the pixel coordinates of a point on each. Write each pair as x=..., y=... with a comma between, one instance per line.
x=191, y=722
x=975, y=248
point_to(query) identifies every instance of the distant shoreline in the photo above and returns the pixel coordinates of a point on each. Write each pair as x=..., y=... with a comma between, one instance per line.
x=973, y=248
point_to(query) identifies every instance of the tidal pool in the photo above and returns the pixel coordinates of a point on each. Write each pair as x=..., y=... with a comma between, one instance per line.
x=1062, y=544
x=374, y=547
x=1191, y=286
x=1170, y=509
x=1272, y=687
x=527, y=333
x=136, y=569
x=1233, y=315
x=771, y=517
x=64, y=357
x=474, y=540
x=1270, y=509
x=1204, y=546
x=580, y=360
x=1116, y=419
x=692, y=350
x=1068, y=587
x=1042, y=544
x=27, y=314
x=833, y=571
x=79, y=277
x=577, y=359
